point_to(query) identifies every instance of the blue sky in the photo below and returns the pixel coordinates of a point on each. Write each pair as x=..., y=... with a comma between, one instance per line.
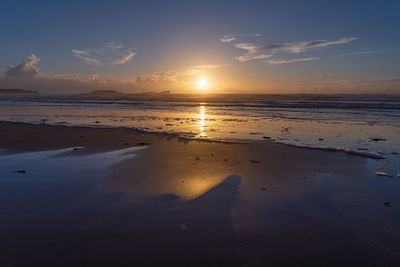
x=140, y=45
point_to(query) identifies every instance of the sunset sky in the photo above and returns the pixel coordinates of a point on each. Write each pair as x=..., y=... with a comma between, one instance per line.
x=192, y=47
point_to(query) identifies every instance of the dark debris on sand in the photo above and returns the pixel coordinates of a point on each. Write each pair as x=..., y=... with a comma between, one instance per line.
x=377, y=139
x=142, y=144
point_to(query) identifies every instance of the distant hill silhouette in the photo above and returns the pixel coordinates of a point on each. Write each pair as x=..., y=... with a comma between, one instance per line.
x=17, y=91
x=104, y=92
x=113, y=92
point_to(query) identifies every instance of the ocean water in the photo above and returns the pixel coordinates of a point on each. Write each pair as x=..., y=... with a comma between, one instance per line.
x=368, y=125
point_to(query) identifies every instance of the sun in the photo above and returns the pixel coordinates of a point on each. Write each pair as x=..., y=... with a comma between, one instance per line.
x=202, y=83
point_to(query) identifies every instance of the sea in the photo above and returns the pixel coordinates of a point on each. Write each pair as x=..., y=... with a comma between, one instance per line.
x=367, y=125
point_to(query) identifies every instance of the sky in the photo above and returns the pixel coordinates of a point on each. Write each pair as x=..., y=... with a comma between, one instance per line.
x=201, y=46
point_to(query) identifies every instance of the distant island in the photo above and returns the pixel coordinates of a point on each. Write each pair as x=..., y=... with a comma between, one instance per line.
x=17, y=91
x=113, y=92
x=104, y=92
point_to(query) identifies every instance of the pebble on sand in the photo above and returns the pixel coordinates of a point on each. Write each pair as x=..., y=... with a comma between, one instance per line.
x=378, y=139
x=142, y=144
x=387, y=204
x=254, y=161
x=20, y=171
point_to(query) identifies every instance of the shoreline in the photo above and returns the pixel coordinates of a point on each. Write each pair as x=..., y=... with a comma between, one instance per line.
x=191, y=202
x=138, y=131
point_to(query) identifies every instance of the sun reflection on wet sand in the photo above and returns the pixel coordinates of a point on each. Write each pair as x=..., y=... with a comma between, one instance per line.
x=196, y=186
x=202, y=121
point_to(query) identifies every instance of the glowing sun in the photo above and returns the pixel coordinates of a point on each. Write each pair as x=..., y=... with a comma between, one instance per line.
x=202, y=83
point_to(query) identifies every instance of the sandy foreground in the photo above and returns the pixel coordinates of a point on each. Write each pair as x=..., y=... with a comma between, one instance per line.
x=179, y=202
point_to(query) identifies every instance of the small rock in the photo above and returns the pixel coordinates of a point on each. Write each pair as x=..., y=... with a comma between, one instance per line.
x=263, y=188
x=387, y=204
x=76, y=148
x=266, y=137
x=225, y=160
x=97, y=122
x=254, y=161
x=378, y=139
x=212, y=155
x=20, y=171
x=142, y=144
x=320, y=139
x=196, y=158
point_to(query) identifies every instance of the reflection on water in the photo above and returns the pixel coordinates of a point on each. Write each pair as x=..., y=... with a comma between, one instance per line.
x=370, y=129
x=202, y=121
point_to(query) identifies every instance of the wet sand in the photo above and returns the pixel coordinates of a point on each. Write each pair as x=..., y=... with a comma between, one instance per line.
x=181, y=202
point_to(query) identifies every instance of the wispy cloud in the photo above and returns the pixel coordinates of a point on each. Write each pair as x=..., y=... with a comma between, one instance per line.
x=204, y=67
x=124, y=58
x=195, y=70
x=25, y=68
x=179, y=77
x=85, y=56
x=227, y=38
x=356, y=53
x=232, y=37
x=109, y=54
x=252, y=56
x=113, y=46
x=296, y=47
x=257, y=52
x=285, y=61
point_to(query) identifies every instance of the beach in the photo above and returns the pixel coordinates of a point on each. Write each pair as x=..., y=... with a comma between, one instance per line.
x=199, y=133
x=117, y=196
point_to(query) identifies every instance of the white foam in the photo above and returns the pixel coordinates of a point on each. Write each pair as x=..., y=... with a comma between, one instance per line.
x=380, y=173
x=359, y=152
